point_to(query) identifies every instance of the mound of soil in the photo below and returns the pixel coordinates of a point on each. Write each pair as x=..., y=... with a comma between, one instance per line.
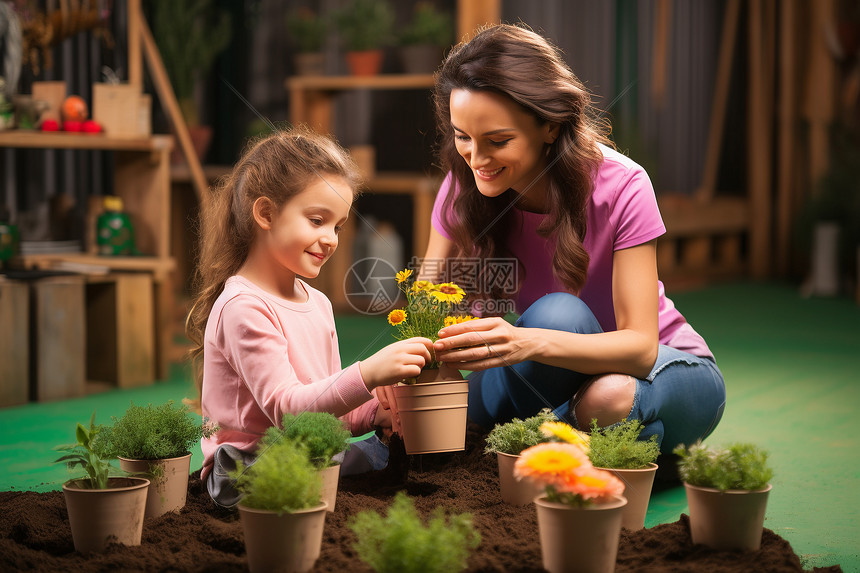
x=35, y=534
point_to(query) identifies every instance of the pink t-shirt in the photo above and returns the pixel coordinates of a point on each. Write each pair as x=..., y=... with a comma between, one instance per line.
x=621, y=213
x=264, y=356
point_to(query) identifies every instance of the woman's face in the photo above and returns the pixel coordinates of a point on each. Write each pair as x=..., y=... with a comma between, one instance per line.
x=503, y=144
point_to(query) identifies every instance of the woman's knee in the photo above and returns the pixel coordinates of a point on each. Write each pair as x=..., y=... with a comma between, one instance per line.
x=607, y=399
x=560, y=311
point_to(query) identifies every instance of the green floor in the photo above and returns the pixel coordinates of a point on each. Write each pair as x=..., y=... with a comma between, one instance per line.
x=789, y=364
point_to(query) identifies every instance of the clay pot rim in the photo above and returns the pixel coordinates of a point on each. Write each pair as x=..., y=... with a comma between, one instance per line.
x=617, y=501
x=728, y=491
x=321, y=506
x=651, y=467
x=143, y=482
x=188, y=455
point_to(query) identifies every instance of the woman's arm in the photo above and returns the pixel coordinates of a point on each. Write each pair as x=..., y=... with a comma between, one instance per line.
x=631, y=349
x=439, y=249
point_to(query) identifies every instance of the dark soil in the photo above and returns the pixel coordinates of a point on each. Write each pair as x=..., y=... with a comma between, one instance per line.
x=35, y=534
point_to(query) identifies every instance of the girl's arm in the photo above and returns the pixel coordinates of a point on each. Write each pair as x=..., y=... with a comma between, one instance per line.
x=631, y=349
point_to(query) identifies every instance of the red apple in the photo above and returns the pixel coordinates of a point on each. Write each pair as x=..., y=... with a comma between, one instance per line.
x=91, y=126
x=50, y=125
x=71, y=126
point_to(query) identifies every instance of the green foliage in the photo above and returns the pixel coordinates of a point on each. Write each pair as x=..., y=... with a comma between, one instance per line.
x=152, y=433
x=365, y=24
x=401, y=543
x=307, y=30
x=428, y=26
x=619, y=446
x=85, y=454
x=515, y=436
x=737, y=466
x=321, y=434
x=282, y=479
x=189, y=35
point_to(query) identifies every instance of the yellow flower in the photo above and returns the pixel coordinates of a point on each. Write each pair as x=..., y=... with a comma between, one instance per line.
x=403, y=275
x=565, y=433
x=448, y=292
x=449, y=320
x=396, y=316
x=419, y=286
x=550, y=464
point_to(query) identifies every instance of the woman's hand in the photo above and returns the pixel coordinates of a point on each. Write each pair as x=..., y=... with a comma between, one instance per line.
x=481, y=344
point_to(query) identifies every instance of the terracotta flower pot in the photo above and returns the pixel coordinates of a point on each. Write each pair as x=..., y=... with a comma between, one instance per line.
x=731, y=519
x=290, y=542
x=98, y=516
x=515, y=492
x=330, y=477
x=637, y=490
x=582, y=539
x=364, y=63
x=168, y=491
x=433, y=411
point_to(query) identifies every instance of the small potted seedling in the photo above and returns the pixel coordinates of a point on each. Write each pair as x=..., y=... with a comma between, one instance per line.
x=727, y=490
x=424, y=39
x=281, y=510
x=156, y=441
x=507, y=441
x=401, y=543
x=101, y=508
x=365, y=27
x=618, y=449
x=307, y=31
x=324, y=436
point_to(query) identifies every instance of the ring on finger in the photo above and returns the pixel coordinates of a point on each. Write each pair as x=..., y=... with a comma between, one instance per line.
x=489, y=349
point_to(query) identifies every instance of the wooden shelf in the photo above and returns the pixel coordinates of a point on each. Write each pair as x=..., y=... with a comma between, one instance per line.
x=379, y=82
x=160, y=267
x=62, y=140
x=181, y=173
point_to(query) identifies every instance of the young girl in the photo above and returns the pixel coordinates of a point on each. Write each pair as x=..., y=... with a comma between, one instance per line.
x=533, y=178
x=265, y=339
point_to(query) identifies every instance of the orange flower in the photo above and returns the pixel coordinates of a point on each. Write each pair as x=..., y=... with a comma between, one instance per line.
x=396, y=316
x=566, y=473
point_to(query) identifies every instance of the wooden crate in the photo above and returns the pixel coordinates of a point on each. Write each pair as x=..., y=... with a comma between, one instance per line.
x=58, y=337
x=120, y=329
x=15, y=345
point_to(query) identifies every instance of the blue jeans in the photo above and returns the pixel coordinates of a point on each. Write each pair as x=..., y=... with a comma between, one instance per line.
x=680, y=401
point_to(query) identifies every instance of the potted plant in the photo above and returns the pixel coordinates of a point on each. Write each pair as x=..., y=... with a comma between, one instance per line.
x=579, y=518
x=189, y=36
x=423, y=41
x=727, y=490
x=324, y=436
x=365, y=27
x=156, y=441
x=507, y=441
x=101, y=508
x=307, y=31
x=281, y=510
x=619, y=450
x=401, y=543
x=432, y=407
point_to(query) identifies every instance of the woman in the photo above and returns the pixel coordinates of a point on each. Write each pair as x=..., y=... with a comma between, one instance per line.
x=532, y=177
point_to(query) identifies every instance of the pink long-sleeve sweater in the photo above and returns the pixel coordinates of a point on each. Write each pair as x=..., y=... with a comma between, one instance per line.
x=264, y=356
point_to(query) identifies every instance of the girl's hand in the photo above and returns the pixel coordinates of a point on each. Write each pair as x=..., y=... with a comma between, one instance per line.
x=481, y=344
x=387, y=416
x=402, y=359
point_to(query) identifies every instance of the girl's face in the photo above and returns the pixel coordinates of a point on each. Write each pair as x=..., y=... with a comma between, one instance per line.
x=303, y=234
x=503, y=144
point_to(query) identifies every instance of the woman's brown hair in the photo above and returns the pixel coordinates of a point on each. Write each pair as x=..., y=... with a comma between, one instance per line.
x=518, y=63
x=278, y=166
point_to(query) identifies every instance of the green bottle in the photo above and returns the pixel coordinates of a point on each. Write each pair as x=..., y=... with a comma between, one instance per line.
x=114, y=233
